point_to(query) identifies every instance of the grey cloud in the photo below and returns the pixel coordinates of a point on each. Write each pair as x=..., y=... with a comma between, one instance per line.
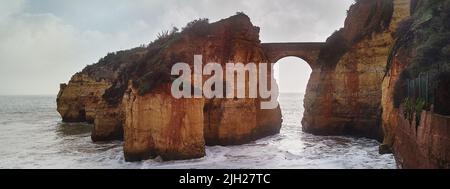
x=45, y=42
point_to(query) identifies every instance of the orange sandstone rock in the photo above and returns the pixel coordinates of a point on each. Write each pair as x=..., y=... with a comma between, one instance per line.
x=134, y=96
x=343, y=96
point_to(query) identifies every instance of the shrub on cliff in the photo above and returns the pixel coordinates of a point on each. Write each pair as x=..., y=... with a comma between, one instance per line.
x=114, y=62
x=335, y=47
x=199, y=27
x=413, y=108
x=430, y=52
x=158, y=74
x=424, y=39
x=165, y=38
x=146, y=72
x=154, y=70
x=378, y=19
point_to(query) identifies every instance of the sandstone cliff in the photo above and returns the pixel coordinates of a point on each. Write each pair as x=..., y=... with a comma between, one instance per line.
x=368, y=81
x=344, y=92
x=385, y=75
x=416, y=89
x=83, y=98
x=194, y=123
x=128, y=94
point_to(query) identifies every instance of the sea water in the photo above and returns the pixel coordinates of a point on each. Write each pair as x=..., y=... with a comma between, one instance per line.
x=32, y=135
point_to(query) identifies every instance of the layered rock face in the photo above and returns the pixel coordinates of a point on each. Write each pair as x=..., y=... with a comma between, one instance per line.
x=415, y=117
x=386, y=75
x=108, y=123
x=158, y=124
x=137, y=100
x=82, y=99
x=344, y=93
x=422, y=141
x=424, y=145
x=77, y=101
x=223, y=121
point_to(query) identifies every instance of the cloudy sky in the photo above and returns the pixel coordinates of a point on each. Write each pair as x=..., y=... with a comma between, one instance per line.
x=43, y=43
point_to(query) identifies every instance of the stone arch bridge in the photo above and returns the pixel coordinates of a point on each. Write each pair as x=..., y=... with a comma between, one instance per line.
x=308, y=51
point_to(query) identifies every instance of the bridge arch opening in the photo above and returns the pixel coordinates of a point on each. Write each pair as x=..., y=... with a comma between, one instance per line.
x=292, y=75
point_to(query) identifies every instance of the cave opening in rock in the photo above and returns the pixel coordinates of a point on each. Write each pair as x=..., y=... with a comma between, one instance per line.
x=82, y=115
x=292, y=75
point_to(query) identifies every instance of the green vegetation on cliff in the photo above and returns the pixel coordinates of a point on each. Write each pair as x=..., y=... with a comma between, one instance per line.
x=424, y=41
x=148, y=67
x=414, y=107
